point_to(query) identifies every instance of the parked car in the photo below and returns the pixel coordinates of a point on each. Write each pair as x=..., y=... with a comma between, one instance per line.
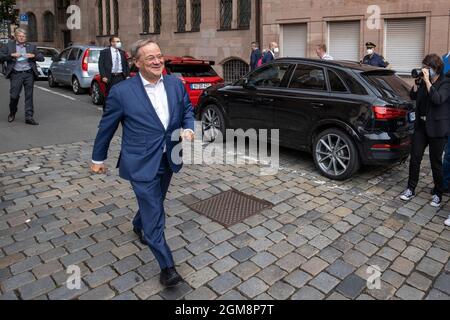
x=197, y=75
x=44, y=66
x=344, y=113
x=75, y=66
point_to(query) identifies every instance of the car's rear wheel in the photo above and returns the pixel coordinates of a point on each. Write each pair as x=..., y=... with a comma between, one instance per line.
x=97, y=96
x=51, y=81
x=213, y=123
x=335, y=154
x=76, y=87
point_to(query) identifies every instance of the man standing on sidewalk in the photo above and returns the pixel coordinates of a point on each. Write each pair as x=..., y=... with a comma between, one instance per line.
x=113, y=64
x=152, y=109
x=21, y=69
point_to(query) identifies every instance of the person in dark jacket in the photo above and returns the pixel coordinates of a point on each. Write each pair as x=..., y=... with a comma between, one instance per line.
x=21, y=69
x=447, y=163
x=271, y=54
x=255, y=57
x=431, y=126
x=113, y=64
x=372, y=58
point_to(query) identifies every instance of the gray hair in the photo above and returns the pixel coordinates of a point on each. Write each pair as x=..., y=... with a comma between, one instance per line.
x=20, y=30
x=138, y=45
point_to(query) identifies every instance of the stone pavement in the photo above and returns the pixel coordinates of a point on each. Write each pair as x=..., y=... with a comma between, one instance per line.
x=318, y=242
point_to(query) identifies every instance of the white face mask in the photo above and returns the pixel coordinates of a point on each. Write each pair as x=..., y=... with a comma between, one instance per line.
x=369, y=51
x=276, y=50
x=118, y=45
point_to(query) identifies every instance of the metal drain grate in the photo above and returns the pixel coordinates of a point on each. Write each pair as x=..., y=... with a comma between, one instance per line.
x=230, y=207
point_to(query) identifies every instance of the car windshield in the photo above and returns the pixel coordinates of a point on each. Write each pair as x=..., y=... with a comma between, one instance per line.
x=94, y=56
x=48, y=53
x=191, y=70
x=389, y=85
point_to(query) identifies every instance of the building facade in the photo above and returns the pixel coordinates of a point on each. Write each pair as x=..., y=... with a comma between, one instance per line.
x=219, y=30
x=403, y=30
x=222, y=30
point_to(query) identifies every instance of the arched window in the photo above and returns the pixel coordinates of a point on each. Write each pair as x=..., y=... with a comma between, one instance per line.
x=49, y=26
x=234, y=69
x=32, y=27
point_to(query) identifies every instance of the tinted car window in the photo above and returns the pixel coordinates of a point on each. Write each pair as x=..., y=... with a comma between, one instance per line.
x=308, y=78
x=94, y=56
x=353, y=84
x=389, y=85
x=73, y=56
x=191, y=70
x=270, y=76
x=336, y=83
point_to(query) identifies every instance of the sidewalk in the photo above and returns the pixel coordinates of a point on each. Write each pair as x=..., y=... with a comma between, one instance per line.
x=317, y=242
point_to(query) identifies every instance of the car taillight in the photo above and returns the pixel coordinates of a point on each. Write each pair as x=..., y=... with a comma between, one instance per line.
x=388, y=113
x=85, y=61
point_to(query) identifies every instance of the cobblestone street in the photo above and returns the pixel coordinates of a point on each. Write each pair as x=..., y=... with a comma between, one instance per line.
x=318, y=242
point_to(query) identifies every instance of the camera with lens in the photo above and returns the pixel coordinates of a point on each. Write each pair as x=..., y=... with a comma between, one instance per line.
x=417, y=73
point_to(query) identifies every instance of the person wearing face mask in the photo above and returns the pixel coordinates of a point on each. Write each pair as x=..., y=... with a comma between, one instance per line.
x=113, y=64
x=432, y=124
x=372, y=58
x=255, y=57
x=271, y=54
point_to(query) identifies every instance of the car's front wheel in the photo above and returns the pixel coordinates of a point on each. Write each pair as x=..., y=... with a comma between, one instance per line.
x=51, y=81
x=97, y=96
x=335, y=154
x=213, y=123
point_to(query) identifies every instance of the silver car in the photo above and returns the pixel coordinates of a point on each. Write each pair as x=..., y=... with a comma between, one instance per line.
x=75, y=66
x=44, y=66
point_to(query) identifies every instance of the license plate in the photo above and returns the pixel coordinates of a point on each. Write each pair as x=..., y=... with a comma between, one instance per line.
x=412, y=117
x=200, y=86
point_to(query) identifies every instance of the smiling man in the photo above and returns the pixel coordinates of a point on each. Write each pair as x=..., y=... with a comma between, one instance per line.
x=151, y=108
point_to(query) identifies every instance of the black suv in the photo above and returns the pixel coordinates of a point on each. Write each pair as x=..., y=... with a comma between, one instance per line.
x=344, y=113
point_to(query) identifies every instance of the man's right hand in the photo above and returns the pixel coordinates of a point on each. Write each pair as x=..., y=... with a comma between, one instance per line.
x=105, y=80
x=98, y=168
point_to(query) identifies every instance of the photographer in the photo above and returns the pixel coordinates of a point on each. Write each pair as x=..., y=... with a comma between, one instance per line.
x=431, y=93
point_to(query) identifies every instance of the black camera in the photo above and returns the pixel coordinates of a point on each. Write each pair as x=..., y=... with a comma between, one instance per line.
x=417, y=73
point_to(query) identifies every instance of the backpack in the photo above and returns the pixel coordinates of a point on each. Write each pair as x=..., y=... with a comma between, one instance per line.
x=446, y=59
x=259, y=63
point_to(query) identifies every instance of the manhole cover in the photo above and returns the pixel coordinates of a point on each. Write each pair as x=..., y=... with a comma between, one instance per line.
x=230, y=207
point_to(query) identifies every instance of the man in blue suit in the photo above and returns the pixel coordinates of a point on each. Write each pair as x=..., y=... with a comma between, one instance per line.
x=152, y=109
x=271, y=54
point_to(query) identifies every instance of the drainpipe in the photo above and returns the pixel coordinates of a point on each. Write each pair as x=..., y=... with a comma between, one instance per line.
x=258, y=12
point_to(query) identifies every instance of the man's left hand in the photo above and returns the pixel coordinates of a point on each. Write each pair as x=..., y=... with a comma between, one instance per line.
x=426, y=74
x=30, y=56
x=188, y=136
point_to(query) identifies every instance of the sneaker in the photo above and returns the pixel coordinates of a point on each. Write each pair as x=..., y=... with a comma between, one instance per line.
x=407, y=195
x=436, y=202
x=447, y=222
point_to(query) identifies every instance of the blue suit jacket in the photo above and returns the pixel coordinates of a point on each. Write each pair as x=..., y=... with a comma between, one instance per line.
x=144, y=136
x=268, y=56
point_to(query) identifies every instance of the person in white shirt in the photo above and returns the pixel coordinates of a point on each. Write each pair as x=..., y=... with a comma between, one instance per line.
x=154, y=111
x=321, y=52
x=113, y=65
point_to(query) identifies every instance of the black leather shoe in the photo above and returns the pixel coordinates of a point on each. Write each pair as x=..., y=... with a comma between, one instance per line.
x=31, y=122
x=170, y=278
x=11, y=117
x=140, y=234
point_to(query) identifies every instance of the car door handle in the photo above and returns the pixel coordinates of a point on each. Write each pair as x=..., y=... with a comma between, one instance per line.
x=317, y=105
x=265, y=100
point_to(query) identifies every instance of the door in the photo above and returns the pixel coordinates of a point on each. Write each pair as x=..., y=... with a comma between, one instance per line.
x=300, y=105
x=71, y=65
x=294, y=40
x=59, y=66
x=252, y=106
x=67, y=38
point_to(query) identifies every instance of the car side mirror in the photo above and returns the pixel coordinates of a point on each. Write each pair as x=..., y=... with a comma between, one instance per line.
x=248, y=85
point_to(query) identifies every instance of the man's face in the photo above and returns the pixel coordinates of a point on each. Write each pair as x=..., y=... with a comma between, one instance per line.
x=319, y=52
x=150, y=61
x=116, y=42
x=254, y=46
x=21, y=37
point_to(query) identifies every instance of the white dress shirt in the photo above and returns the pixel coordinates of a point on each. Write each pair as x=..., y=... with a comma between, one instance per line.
x=116, y=60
